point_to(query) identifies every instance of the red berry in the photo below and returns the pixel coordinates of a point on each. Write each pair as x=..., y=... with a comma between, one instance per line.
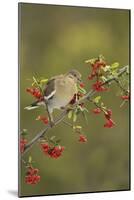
x=109, y=124
x=36, y=171
x=125, y=97
x=45, y=147
x=35, y=92
x=28, y=89
x=97, y=110
x=108, y=114
x=22, y=145
x=82, y=85
x=90, y=77
x=45, y=120
x=82, y=138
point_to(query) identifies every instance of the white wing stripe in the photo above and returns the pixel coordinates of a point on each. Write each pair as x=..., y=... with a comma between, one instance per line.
x=50, y=95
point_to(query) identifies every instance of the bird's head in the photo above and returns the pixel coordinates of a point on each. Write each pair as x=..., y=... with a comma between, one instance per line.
x=74, y=74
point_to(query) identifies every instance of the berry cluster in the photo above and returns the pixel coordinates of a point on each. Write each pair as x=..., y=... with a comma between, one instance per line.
x=52, y=151
x=32, y=176
x=35, y=92
x=107, y=113
x=44, y=119
x=98, y=86
x=97, y=65
x=23, y=142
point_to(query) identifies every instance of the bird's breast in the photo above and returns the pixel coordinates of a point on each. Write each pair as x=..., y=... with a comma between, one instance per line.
x=65, y=91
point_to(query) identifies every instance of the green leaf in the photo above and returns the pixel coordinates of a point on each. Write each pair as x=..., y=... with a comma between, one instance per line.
x=91, y=61
x=74, y=116
x=122, y=104
x=114, y=66
x=70, y=114
x=85, y=109
x=85, y=116
x=97, y=99
x=34, y=79
x=103, y=78
x=30, y=159
x=58, y=141
x=102, y=106
x=53, y=137
x=82, y=90
x=101, y=57
x=24, y=132
x=77, y=127
x=127, y=70
x=43, y=80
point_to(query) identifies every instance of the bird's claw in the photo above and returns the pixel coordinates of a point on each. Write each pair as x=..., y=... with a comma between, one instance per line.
x=51, y=124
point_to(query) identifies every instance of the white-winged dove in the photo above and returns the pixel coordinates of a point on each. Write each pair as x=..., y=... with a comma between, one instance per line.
x=58, y=92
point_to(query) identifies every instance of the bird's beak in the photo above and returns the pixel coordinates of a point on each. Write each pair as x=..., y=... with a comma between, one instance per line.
x=79, y=80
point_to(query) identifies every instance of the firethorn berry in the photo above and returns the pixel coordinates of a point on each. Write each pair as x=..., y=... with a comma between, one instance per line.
x=22, y=145
x=53, y=152
x=45, y=147
x=32, y=176
x=125, y=97
x=45, y=120
x=82, y=85
x=108, y=114
x=35, y=92
x=90, y=77
x=97, y=110
x=82, y=138
x=109, y=123
x=98, y=87
x=32, y=171
x=56, y=152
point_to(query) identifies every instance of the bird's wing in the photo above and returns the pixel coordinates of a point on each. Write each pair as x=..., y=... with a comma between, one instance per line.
x=50, y=89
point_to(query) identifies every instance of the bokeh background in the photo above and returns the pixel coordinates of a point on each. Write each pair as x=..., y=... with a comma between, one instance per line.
x=54, y=39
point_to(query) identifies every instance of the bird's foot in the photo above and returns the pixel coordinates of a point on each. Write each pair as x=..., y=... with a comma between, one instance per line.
x=51, y=124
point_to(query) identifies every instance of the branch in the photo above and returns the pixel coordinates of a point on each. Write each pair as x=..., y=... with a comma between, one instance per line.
x=65, y=112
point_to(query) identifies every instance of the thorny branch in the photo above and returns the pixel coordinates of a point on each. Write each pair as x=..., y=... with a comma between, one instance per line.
x=65, y=112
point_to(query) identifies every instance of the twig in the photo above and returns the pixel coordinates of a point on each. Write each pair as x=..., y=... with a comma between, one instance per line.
x=121, y=87
x=64, y=113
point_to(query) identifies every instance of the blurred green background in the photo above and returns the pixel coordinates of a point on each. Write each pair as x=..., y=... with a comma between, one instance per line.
x=53, y=40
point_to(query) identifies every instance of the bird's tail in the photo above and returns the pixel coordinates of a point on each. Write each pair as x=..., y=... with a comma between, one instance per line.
x=34, y=105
